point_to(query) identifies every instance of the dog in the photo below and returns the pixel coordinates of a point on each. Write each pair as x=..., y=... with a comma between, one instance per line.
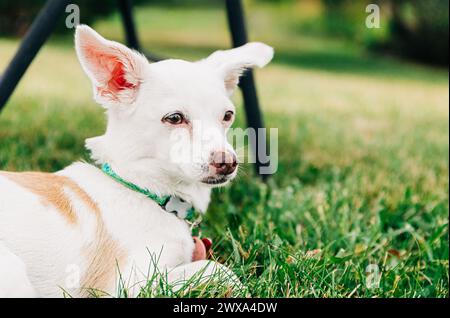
x=89, y=225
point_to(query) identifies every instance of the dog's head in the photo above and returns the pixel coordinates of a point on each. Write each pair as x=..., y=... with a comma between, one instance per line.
x=171, y=116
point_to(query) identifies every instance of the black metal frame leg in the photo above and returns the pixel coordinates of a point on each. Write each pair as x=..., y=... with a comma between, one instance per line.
x=235, y=15
x=37, y=34
x=125, y=8
x=132, y=39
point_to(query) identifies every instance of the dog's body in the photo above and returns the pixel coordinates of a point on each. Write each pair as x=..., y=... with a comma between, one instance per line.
x=78, y=223
x=79, y=229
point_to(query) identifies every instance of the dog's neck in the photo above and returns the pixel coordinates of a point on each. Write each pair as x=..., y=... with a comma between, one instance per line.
x=161, y=184
x=149, y=174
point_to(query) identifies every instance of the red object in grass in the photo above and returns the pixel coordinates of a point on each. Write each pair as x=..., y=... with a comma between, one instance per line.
x=207, y=242
x=202, y=249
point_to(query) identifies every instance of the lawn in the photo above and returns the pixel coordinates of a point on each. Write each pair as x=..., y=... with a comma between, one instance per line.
x=362, y=182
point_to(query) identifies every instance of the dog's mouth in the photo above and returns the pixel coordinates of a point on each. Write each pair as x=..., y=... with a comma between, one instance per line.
x=215, y=180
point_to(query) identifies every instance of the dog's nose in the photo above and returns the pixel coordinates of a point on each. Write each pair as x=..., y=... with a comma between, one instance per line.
x=224, y=162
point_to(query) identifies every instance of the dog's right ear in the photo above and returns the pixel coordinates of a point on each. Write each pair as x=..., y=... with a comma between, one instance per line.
x=231, y=64
x=116, y=71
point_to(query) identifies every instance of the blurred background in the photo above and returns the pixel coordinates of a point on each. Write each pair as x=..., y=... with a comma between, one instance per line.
x=416, y=29
x=363, y=125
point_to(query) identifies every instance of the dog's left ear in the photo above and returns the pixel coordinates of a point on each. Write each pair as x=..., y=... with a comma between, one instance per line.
x=116, y=71
x=231, y=64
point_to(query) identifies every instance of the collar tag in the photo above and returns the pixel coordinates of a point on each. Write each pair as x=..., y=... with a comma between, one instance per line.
x=178, y=206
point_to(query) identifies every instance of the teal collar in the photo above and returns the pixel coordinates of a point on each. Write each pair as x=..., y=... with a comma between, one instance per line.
x=169, y=203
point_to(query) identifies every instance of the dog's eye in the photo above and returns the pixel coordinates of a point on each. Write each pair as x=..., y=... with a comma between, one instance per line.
x=174, y=118
x=228, y=116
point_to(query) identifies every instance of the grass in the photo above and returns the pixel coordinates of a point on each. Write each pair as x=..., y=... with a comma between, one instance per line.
x=363, y=157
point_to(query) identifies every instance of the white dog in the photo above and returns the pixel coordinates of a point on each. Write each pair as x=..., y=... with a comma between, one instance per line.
x=80, y=228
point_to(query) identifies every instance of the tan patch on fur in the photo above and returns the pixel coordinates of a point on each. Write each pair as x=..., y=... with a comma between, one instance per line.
x=104, y=255
x=50, y=189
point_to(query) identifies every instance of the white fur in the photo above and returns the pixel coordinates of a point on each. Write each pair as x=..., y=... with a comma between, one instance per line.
x=41, y=254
